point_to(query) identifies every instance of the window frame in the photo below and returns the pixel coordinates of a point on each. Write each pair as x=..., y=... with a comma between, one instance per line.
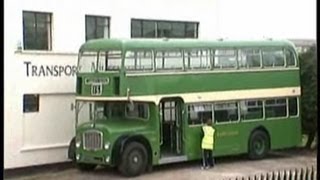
x=187, y=59
x=273, y=49
x=294, y=57
x=157, y=26
x=152, y=69
x=96, y=25
x=36, y=103
x=298, y=106
x=199, y=103
x=226, y=102
x=181, y=68
x=275, y=118
x=112, y=52
x=253, y=49
x=143, y=119
x=235, y=54
x=253, y=120
x=49, y=23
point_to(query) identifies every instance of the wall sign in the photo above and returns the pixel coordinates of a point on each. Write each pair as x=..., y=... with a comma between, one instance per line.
x=49, y=70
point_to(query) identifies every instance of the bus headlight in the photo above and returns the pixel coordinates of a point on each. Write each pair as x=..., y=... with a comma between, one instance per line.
x=107, y=159
x=106, y=145
x=78, y=157
x=78, y=142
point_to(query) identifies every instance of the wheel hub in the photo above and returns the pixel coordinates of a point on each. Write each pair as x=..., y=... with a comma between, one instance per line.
x=135, y=159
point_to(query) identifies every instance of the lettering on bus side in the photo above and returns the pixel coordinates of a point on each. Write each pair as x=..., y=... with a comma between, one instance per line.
x=227, y=133
x=49, y=70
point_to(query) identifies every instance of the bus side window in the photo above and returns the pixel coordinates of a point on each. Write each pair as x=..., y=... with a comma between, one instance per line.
x=138, y=61
x=273, y=58
x=109, y=60
x=226, y=112
x=225, y=58
x=197, y=113
x=293, y=106
x=276, y=108
x=169, y=60
x=290, y=59
x=197, y=59
x=248, y=58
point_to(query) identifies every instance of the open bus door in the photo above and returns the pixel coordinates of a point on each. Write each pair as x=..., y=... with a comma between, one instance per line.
x=171, y=130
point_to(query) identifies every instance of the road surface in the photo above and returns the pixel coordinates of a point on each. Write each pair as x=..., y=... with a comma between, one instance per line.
x=226, y=168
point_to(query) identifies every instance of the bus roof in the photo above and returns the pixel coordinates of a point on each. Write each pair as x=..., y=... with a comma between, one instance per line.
x=136, y=44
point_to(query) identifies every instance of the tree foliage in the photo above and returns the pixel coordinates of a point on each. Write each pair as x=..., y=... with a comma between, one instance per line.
x=308, y=70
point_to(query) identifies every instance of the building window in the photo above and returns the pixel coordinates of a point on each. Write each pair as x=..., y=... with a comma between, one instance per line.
x=30, y=103
x=97, y=27
x=36, y=30
x=159, y=29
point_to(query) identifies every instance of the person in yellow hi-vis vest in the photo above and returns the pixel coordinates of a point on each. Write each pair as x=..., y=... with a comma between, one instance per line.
x=207, y=144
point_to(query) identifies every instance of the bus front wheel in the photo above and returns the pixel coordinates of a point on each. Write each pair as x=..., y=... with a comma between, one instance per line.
x=258, y=145
x=133, y=159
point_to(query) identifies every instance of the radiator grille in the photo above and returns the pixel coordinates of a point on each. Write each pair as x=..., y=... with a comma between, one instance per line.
x=92, y=140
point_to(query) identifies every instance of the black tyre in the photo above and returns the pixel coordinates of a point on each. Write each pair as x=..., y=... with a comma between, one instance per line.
x=85, y=167
x=72, y=150
x=259, y=145
x=134, y=160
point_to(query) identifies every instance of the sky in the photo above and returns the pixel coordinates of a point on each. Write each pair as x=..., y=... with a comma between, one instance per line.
x=290, y=19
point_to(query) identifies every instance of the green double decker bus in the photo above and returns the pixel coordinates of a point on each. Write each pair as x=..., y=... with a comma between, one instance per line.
x=142, y=102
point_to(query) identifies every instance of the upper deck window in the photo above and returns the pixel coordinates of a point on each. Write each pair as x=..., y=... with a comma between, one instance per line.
x=88, y=62
x=225, y=58
x=197, y=59
x=290, y=58
x=109, y=61
x=138, y=61
x=166, y=60
x=273, y=58
x=102, y=61
x=248, y=58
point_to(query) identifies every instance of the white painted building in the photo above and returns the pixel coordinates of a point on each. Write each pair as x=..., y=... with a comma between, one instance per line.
x=42, y=38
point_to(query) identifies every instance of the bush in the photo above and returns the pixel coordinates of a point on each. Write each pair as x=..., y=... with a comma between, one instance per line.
x=308, y=67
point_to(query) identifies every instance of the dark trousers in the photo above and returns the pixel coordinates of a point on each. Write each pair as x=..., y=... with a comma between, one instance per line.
x=207, y=158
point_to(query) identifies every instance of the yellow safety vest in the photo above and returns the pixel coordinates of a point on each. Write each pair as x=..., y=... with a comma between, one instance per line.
x=208, y=138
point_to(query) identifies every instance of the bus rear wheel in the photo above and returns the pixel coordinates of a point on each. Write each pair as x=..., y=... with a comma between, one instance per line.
x=258, y=145
x=133, y=159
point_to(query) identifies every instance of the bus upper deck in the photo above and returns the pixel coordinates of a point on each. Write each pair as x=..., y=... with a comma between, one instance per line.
x=117, y=68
